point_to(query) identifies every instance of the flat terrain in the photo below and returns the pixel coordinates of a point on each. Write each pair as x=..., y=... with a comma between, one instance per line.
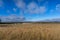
x=30, y=31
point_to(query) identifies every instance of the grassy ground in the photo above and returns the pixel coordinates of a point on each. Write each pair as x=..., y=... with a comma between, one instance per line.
x=30, y=31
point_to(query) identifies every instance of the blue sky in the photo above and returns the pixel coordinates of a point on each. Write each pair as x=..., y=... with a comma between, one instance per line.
x=29, y=10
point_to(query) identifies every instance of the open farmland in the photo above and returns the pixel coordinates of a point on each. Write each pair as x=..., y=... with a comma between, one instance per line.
x=30, y=31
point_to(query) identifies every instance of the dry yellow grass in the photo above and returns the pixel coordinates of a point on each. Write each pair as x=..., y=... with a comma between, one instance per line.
x=32, y=31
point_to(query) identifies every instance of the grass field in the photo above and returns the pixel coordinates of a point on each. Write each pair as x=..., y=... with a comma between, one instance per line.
x=30, y=31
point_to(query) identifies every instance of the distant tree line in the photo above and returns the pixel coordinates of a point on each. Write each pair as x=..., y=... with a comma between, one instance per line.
x=0, y=21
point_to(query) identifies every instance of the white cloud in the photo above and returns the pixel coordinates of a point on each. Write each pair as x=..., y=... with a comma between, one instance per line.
x=31, y=7
x=1, y=3
x=34, y=8
x=20, y=4
x=14, y=9
x=58, y=8
x=12, y=18
x=42, y=9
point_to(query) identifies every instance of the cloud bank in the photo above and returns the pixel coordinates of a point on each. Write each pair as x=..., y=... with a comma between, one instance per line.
x=31, y=8
x=12, y=18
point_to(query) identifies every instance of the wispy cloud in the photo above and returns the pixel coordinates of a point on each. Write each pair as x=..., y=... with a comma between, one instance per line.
x=42, y=9
x=20, y=4
x=58, y=8
x=12, y=18
x=1, y=3
x=34, y=8
x=14, y=9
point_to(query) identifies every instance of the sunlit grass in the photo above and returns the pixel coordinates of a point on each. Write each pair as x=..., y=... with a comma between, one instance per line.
x=37, y=31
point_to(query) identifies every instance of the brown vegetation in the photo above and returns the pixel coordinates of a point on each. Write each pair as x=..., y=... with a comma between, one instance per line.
x=30, y=31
